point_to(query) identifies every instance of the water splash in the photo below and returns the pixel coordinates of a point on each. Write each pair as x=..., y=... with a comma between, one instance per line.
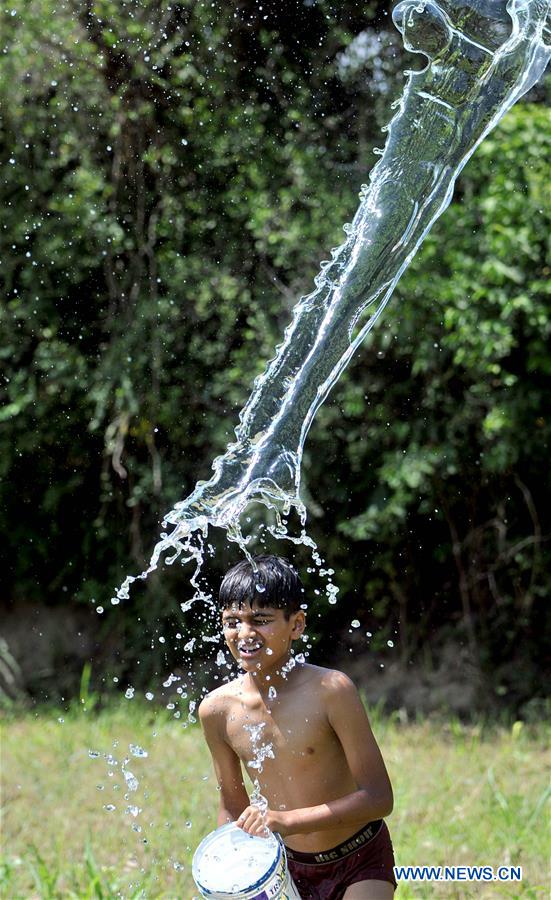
x=483, y=55
x=261, y=752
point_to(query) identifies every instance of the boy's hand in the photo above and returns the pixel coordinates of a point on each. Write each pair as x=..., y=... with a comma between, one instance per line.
x=254, y=821
x=260, y=822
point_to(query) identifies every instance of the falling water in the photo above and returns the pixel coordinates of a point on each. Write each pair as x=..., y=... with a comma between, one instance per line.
x=483, y=55
x=261, y=752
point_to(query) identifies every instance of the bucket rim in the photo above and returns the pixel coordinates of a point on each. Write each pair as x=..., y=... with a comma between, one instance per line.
x=279, y=857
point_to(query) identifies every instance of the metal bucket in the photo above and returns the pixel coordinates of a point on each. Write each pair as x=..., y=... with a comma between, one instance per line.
x=229, y=863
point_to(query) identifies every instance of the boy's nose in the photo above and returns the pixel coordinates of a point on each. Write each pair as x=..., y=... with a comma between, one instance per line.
x=246, y=630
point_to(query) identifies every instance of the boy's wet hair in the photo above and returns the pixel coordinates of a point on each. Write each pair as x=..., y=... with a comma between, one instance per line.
x=275, y=583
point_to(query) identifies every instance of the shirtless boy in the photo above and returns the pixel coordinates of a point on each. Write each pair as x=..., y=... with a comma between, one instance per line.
x=326, y=785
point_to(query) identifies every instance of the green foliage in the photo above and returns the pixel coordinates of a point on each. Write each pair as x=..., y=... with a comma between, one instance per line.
x=170, y=177
x=444, y=472
x=45, y=879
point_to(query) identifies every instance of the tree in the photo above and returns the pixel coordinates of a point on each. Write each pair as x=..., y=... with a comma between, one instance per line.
x=171, y=173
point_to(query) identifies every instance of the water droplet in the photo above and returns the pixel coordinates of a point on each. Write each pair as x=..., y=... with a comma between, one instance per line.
x=132, y=811
x=129, y=693
x=149, y=695
x=132, y=782
x=109, y=807
x=136, y=750
x=390, y=643
x=355, y=623
x=272, y=693
x=260, y=588
x=93, y=754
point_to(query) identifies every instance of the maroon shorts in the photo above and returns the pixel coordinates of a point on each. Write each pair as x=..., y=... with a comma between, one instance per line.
x=366, y=856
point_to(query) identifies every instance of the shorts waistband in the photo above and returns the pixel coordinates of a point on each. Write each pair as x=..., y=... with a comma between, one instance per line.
x=351, y=845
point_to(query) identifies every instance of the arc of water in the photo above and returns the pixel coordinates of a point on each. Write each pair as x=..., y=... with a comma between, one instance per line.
x=483, y=56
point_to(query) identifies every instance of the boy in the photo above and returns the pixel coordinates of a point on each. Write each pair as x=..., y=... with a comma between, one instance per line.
x=302, y=731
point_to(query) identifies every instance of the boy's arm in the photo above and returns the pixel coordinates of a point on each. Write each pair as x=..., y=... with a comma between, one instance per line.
x=227, y=767
x=372, y=800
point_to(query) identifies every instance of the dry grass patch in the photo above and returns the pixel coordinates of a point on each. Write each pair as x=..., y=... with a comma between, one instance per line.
x=464, y=795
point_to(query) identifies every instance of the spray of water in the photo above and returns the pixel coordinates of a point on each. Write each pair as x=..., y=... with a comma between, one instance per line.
x=483, y=55
x=261, y=752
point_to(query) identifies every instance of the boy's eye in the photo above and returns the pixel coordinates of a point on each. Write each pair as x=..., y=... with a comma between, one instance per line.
x=230, y=623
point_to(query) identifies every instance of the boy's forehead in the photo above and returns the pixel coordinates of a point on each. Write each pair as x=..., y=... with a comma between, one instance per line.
x=245, y=608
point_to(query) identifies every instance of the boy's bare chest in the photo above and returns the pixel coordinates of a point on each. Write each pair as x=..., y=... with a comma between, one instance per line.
x=286, y=731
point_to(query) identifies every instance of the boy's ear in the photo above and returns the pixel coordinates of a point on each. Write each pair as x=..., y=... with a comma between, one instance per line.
x=299, y=624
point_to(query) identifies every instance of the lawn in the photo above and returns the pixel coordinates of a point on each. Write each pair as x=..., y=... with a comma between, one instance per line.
x=73, y=827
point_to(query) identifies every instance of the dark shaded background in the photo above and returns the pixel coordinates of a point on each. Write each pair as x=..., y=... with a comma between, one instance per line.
x=171, y=176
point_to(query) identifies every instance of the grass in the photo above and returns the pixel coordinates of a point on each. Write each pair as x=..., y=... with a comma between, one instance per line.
x=463, y=795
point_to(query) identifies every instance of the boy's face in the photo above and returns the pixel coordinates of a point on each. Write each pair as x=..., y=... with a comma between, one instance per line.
x=260, y=639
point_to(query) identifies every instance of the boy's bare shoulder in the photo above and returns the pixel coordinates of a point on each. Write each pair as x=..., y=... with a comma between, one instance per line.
x=217, y=701
x=332, y=692
x=330, y=681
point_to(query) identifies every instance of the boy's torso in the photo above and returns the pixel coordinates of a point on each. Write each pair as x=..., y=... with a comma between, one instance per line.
x=308, y=766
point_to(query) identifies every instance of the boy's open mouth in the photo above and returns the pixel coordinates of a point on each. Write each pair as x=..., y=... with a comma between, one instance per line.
x=249, y=648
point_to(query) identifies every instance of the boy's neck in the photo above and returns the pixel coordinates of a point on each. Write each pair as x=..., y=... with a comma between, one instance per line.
x=264, y=679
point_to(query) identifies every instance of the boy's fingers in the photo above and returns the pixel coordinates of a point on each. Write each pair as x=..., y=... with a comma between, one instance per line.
x=253, y=822
x=245, y=819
